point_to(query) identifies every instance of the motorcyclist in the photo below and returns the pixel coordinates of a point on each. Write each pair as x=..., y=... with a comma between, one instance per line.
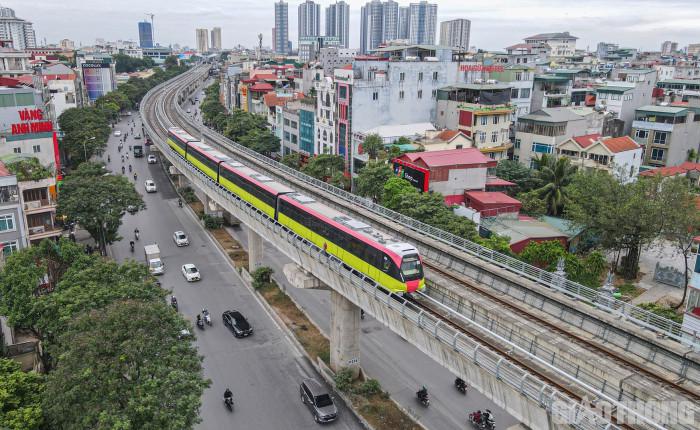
x=173, y=301
x=136, y=233
x=228, y=394
x=459, y=383
x=487, y=419
x=123, y=170
x=422, y=393
x=135, y=176
x=179, y=202
x=129, y=167
x=109, y=159
x=476, y=416
x=131, y=244
x=122, y=158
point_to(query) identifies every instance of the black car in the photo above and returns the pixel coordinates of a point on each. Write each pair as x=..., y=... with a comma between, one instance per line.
x=237, y=323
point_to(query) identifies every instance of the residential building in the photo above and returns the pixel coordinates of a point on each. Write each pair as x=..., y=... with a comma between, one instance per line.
x=541, y=131
x=522, y=231
x=455, y=33
x=441, y=140
x=98, y=74
x=551, y=91
x=605, y=50
x=338, y=22
x=687, y=169
x=325, y=115
x=397, y=86
x=216, y=39
x=290, y=129
x=423, y=23
x=521, y=79
x=298, y=119
x=67, y=44
x=669, y=47
x=307, y=127
x=60, y=88
x=667, y=133
x=202, y=40
x=404, y=32
x=38, y=200
x=334, y=58
x=310, y=46
x=389, y=135
x=18, y=30
x=561, y=44
x=481, y=111
x=528, y=53
x=691, y=317
x=158, y=53
x=678, y=90
x=686, y=71
x=693, y=50
x=491, y=203
x=12, y=228
x=281, y=29
x=145, y=34
x=630, y=89
x=309, y=21
x=14, y=63
x=379, y=23
x=619, y=156
x=451, y=173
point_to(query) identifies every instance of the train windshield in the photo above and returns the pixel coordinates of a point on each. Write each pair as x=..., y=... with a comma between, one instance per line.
x=411, y=268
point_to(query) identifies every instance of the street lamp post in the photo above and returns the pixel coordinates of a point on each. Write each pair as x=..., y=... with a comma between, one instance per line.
x=85, y=149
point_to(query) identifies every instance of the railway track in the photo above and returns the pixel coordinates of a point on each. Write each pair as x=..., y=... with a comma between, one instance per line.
x=164, y=114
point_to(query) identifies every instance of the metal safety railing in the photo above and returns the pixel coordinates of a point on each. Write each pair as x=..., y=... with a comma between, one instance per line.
x=588, y=295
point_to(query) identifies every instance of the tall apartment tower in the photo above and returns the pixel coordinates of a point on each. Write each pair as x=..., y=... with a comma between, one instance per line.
x=455, y=33
x=281, y=28
x=404, y=22
x=145, y=34
x=423, y=23
x=202, y=40
x=669, y=47
x=216, y=39
x=309, y=19
x=338, y=22
x=379, y=23
x=19, y=31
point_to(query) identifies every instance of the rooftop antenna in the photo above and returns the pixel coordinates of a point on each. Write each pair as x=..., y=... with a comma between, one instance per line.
x=153, y=32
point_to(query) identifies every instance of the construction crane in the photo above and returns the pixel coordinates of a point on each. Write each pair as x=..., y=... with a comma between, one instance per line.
x=153, y=32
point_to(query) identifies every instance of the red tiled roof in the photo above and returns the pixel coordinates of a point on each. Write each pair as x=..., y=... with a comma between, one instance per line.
x=11, y=82
x=620, y=144
x=3, y=169
x=272, y=99
x=261, y=86
x=520, y=46
x=672, y=170
x=491, y=197
x=586, y=140
x=347, y=67
x=498, y=182
x=448, y=135
x=451, y=157
x=264, y=76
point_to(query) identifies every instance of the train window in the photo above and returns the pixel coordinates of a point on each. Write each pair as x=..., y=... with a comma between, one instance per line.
x=254, y=190
x=411, y=267
x=386, y=263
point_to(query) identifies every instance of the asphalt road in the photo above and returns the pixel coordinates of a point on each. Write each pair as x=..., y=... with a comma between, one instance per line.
x=399, y=366
x=264, y=370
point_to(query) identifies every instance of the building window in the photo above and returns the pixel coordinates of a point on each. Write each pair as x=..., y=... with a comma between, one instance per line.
x=484, y=120
x=492, y=155
x=657, y=154
x=660, y=137
x=641, y=134
x=294, y=125
x=459, y=146
x=402, y=76
x=286, y=122
x=435, y=76
x=514, y=93
x=375, y=95
x=17, y=150
x=9, y=247
x=433, y=95
x=496, y=118
x=516, y=158
x=401, y=95
x=494, y=137
x=524, y=93
x=517, y=144
x=286, y=136
x=36, y=148
x=482, y=137
x=518, y=76
x=420, y=76
x=7, y=222
x=542, y=148
x=420, y=94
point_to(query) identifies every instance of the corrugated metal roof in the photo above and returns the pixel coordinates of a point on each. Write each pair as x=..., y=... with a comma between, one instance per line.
x=662, y=109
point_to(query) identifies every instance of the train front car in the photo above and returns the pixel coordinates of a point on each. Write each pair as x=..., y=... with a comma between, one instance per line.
x=410, y=266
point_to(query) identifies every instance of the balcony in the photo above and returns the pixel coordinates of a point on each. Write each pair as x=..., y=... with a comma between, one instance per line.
x=648, y=125
x=42, y=205
x=44, y=231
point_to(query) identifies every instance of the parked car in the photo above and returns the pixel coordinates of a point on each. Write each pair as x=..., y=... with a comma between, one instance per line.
x=137, y=136
x=180, y=238
x=237, y=323
x=190, y=272
x=117, y=133
x=319, y=401
x=152, y=159
x=150, y=186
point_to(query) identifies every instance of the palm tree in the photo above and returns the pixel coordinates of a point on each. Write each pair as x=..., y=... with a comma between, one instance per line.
x=556, y=174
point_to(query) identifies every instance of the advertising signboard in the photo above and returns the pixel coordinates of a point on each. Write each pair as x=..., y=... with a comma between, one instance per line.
x=417, y=176
x=97, y=77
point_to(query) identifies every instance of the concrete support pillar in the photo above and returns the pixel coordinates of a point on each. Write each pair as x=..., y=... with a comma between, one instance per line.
x=182, y=181
x=255, y=250
x=345, y=334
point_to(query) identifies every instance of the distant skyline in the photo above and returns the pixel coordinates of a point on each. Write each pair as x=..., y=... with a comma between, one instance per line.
x=496, y=24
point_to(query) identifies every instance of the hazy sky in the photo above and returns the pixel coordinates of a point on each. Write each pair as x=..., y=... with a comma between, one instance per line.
x=495, y=23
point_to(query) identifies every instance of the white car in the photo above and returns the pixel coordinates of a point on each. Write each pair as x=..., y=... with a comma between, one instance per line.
x=137, y=136
x=150, y=186
x=180, y=238
x=152, y=159
x=117, y=133
x=190, y=272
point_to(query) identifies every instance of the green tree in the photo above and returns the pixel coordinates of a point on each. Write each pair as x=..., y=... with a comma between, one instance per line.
x=693, y=156
x=292, y=160
x=372, y=146
x=513, y=171
x=171, y=62
x=261, y=141
x=556, y=174
x=85, y=133
x=98, y=204
x=324, y=166
x=28, y=169
x=124, y=367
x=20, y=397
x=371, y=179
x=533, y=205
x=497, y=243
x=340, y=180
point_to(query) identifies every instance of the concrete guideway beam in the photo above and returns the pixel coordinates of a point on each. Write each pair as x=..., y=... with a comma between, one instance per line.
x=299, y=278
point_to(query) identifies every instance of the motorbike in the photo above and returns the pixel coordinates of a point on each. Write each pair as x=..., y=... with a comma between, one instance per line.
x=206, y=317
x=129, y=168
x=482, y=420
x=200, y=323
x=179, y=202
x=173, y=302
x=136, y=234
x=109, y=159
x=131, y=244
x=423, y=397
x=228, y=401
x=461, y=385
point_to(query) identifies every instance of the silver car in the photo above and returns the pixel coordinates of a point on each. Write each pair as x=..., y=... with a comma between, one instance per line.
x=319, y=401
x=180, y=238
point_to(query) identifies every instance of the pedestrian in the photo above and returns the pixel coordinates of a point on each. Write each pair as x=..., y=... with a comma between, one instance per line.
x=72, y=236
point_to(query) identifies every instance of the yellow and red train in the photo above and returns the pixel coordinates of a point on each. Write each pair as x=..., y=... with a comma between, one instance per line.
x=395, y=265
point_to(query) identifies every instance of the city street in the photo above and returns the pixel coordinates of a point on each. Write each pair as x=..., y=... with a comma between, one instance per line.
x=264, y=370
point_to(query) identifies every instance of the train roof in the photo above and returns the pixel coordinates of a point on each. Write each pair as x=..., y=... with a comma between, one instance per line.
x=265, y=181
x=182, y=134
x=357, y=226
